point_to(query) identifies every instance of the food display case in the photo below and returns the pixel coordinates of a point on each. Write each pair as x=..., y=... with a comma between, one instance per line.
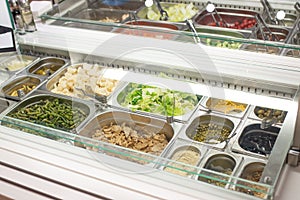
x=137, y=106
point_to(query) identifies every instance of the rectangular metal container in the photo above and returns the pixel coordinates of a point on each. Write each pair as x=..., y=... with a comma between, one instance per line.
x=181, y=146
x=47, y=66
x=189, y=130
x=102, y=15
x=123, y=5
x=54, y=80
x=252, y=127
x=261, y=48
x=120, y=95
x=281, y=34
x=139, y=123
x=230, y=112
x=142, y=11
x=85, y=107
x=20, y=82
x=230, y=16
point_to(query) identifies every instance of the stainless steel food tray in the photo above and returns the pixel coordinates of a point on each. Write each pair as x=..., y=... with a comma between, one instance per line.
x=221, y=161
x=120, y=94
x=10, y=58
x=84, y=106
x=47, y=63
x=181, y=145
x=252, y=123
x=252, y=114
x=230, y=16
x=233, y=113
x=49, y=85
x=16, y=82
x=248, y=167
x=119, y=117
x=141, y=13
x=227, y=121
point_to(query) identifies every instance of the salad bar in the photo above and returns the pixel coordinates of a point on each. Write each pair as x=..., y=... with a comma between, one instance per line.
x=211, y=140
x=214, y=24
x=210, y=132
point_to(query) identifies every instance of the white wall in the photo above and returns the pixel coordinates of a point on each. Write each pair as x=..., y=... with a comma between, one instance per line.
x=4, y=16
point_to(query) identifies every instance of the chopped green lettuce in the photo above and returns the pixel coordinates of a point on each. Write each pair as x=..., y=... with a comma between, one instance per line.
x=158, y=100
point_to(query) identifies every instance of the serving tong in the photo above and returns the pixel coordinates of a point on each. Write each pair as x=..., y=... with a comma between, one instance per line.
x=211, y=8
x=88, y=92
x=275, y=19
x=271, y=120
x=163, y=13
x=192, y=28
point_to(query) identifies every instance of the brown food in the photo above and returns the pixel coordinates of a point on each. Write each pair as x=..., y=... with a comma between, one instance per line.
x=255, y=176
x=135, y=138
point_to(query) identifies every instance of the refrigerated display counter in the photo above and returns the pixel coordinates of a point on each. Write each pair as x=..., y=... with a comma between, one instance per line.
x=122, y=116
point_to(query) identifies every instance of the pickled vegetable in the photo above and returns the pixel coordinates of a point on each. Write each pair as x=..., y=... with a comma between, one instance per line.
x=46, y=70
x=55, y=113
x=177, y=13
x=26, y=88
x=159, y=100
x=211, y=133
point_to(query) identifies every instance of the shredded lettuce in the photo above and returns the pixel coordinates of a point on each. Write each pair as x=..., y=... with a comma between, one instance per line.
x=177, y=13
x=158, y=100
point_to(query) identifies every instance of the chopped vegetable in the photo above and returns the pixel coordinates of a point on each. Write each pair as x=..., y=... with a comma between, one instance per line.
x=159, y=100
x=178, y=12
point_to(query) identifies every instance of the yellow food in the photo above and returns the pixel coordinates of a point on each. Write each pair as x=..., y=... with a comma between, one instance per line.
x=225, y=106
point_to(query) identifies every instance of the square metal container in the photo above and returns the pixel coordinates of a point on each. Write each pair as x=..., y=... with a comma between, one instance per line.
x=293, y=53
x=224, y=163
x=288, y=21
x=205, y=118
x=47, y=66
x=206, y=101
x=120, y=95
x=243, y=131
x=249, y=167
x=18, y=82
x=178, y=147
x=139, y=122
x=85, y=107
x=253, y=114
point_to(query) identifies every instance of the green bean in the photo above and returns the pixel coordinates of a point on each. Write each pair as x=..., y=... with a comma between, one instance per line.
x=56, y=114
